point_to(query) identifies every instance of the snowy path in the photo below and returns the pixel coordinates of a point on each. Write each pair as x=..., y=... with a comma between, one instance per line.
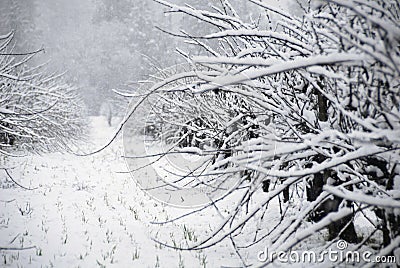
x=86, y=214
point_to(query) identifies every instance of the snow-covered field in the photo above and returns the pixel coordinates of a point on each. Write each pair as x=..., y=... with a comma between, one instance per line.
x=86, y=212
x=89, y=212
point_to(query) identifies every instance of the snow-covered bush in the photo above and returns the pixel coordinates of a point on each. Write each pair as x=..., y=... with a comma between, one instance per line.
x=38, y=112
x=309, y=107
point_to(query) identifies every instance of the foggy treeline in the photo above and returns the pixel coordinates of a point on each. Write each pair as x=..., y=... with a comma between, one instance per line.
x=100, y=44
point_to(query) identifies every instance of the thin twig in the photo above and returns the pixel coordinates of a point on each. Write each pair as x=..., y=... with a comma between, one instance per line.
x=23, y=187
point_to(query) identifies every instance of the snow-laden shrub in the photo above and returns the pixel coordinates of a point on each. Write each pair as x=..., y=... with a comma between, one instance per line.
x=308, y=104
x=38, y=112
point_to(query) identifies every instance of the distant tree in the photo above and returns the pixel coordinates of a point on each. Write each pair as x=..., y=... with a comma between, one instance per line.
x=19, y=16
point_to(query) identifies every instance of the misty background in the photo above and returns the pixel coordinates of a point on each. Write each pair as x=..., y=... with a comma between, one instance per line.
x=105, y=44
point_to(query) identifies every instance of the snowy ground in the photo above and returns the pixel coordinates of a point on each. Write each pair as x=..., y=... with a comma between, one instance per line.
x=86, y=213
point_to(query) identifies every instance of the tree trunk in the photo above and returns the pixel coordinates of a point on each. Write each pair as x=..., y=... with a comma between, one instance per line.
x=343, y=228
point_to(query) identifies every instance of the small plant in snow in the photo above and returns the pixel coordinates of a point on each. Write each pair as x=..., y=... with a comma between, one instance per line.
x=189, y=234
x=135, y=254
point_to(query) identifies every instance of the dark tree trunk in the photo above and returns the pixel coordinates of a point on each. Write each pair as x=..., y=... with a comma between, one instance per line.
x=343, y=228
